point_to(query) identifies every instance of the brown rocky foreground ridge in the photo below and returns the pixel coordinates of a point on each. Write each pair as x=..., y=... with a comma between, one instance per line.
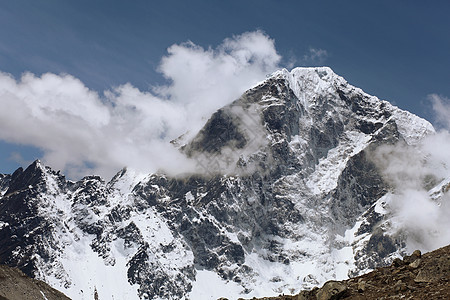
x=15, y=285
x=415, y=277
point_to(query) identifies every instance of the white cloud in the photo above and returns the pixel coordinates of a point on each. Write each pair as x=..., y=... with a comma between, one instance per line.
x=82, y=132
x=441, y=108
x=315, y=56
x=412, y=171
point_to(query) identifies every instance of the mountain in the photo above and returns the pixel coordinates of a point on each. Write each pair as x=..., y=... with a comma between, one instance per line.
x=414, y=277
x=286, y=196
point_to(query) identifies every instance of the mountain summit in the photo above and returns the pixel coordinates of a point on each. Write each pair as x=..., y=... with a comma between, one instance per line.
x=286, y=196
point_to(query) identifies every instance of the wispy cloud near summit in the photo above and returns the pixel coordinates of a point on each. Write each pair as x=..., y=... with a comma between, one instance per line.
x=82, y=132
x=441, y=108
x=315, y=56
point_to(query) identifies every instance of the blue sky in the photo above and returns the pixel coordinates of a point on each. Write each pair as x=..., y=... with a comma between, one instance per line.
x=396, y=50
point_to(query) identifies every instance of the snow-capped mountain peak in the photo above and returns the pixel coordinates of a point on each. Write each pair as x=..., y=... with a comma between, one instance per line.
x=285, y=197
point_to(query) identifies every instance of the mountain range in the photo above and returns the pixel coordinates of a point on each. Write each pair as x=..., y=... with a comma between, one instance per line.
x=288, y=193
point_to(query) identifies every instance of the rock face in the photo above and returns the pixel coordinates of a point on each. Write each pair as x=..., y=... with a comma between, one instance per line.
x=285, y=197
x=414, y=277
x=15, y=285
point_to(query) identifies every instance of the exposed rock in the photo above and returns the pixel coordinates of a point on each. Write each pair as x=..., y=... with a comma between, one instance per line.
x=408, y=259
x=399, y=286
x=417, y=254
x=415, y=263
x=331, y=290
x=361, y=285
x=15, y=285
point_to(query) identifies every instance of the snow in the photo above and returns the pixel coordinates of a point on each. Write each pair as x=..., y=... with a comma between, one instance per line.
x=314, y=264
x=78, y=270
x=308, y=270
x=324, y=179
x=123, y=187
x=351, y=243
x=308, y=82
x=127, y=181
x=349, y=235
x=152, y=227
x=343, y=262
x=380, y=205
x=3, y=224
x=208, y=285
x=84, y=271
x=189, y=197
x=411, y=127
x=54, y=197
x=156, y=232
x=88, y=272
x=435, y=193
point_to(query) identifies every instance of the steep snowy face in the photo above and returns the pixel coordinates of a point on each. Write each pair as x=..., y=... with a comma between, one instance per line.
x=285, y=197
x=296, y=118
x=305, y=138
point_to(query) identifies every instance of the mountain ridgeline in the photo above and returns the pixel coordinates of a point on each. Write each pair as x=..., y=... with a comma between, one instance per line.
x=285, y=197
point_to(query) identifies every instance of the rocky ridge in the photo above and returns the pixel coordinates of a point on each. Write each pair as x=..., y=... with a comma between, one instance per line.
x=15, y=285
x=415, y=277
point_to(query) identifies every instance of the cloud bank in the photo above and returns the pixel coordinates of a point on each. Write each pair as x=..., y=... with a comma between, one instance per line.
x=420, y=177
x=82, y=132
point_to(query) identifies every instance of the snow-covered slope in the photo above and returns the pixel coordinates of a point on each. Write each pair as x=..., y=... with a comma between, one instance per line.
x=285, y=197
